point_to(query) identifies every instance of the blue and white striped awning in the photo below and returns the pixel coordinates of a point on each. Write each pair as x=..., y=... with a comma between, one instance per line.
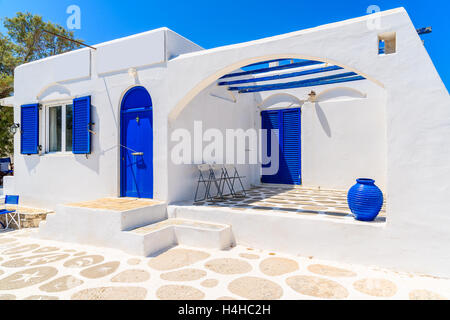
x=265, y=76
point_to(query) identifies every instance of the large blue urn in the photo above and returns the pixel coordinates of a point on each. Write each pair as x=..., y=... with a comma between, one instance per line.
x=365, y=200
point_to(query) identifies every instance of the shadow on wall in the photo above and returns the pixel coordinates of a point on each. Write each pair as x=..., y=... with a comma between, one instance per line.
x=32, y=161
x=111, y=105
x=54, y=91
x=91, y=161
x=116, y=115
x=334, y=94
x=322, y=119
x=222, y=93
x=340, y=93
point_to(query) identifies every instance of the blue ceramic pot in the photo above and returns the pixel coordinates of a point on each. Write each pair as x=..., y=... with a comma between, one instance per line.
x=365, y=200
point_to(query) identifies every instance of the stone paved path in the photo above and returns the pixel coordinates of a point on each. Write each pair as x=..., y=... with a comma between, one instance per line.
x=38, y=269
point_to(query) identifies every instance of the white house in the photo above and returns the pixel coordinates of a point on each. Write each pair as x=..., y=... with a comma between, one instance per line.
x=365, y=101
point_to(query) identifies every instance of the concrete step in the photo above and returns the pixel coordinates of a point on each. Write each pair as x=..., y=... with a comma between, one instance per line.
x=94, y=226
x=142, y=231
x=156, y=237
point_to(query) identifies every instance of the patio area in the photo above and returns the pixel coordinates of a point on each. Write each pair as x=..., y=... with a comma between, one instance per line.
x=296, y=200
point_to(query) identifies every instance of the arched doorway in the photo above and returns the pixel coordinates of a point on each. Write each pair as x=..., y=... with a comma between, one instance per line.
x=302, y=79
x=136, y=140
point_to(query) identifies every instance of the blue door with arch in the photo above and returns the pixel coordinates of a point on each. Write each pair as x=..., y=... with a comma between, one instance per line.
x=136, y=144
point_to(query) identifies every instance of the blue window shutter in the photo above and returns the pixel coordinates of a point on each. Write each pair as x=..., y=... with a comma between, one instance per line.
x=81, y=137
x=29, y=128
x=287, y=121
x=270, y=120
x=291, y=159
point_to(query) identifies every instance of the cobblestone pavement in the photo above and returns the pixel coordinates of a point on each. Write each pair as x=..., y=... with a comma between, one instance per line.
x=31, y=268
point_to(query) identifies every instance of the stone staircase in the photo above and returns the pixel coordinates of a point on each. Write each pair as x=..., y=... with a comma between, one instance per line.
x=156, y=237
x=142, y=230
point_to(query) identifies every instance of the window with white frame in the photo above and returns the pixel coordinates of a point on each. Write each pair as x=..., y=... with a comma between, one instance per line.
x=58, y=127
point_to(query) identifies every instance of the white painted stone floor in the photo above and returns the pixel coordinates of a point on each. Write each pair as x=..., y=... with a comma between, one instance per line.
x=40, y=269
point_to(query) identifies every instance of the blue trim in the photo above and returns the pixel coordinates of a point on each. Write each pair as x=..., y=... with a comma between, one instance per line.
x=137, y=110
x=136, y=98
x=11, y=199
x=286, y=147
x=136, y=172
x=269, y=69
x=5, y=212
x=381, y=46
x=296, y=84
x=288, y=84
x=281, y=76
x=29, y=131
x=81, y=121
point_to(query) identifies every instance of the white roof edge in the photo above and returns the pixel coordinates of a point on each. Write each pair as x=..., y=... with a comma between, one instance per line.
x=95, y=46
x=184, y=38
x=7, y=102
x=294, y=33
x=51, y=57
x=163, y=29
x=130, y=37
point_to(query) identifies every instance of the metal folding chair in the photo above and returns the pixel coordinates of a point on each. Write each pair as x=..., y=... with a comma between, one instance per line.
x=11, y=215
x=204, y=178
x=232, y=180
x=219, y=174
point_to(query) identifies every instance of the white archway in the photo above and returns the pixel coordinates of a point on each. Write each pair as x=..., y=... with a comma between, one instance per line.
x=175, y=112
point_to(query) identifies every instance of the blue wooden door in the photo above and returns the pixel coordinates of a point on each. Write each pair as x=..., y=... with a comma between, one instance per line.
x=137, y=144
x=287, y=121
x=270, y=121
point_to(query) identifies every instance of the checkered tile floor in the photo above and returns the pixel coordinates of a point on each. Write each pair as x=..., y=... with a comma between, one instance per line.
x=298, y=200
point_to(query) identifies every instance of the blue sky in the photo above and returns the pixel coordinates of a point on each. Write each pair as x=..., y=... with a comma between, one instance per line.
x=213, y=23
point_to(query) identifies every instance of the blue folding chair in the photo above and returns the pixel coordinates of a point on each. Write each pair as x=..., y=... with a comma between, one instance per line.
x=11, y=215
x=5, y=164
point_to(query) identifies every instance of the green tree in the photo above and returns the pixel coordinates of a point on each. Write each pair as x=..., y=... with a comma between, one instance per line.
x=7, y=64
x=24, y=42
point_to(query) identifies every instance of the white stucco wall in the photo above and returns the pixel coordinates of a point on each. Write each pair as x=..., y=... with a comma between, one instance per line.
x=215, y=109
x=49, y=179
x=343, y=133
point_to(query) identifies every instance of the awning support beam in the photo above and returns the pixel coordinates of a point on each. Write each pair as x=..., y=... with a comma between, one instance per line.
x=270, y=69
x=281, y=76
x=300, y=84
